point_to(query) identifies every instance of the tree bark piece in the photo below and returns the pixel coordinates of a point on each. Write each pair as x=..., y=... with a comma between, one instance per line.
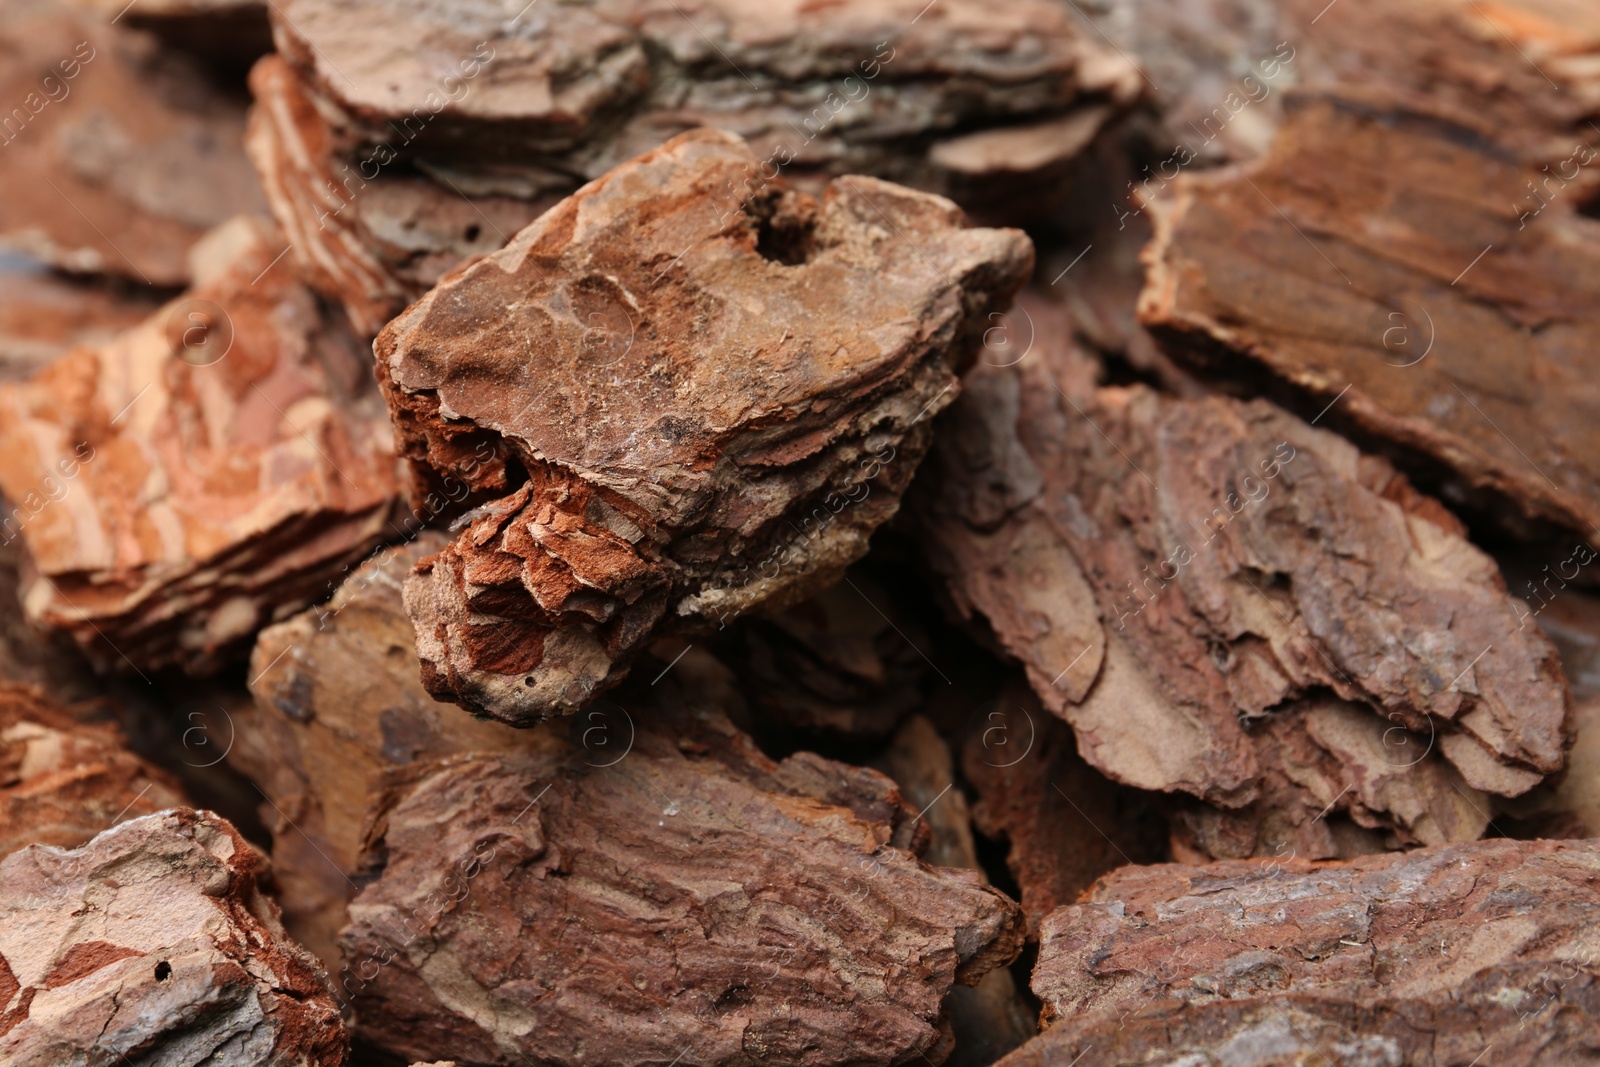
x=338, y=705
x=65, y=777
x=879, y=87
x=200, y=474
x=733, y=908
x=1278, y=272
x=363, y=234
x=1425, y=957
x=706, y=403
x=43, y=315
x=154, y=941
x=108, y=134
x=1176, y=573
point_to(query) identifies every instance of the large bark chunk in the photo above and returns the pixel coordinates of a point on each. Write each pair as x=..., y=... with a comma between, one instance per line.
x=1382, y=265
x=119, y=157
x=733, y=909
x=1177, y=574
x=884, y=87
x=153, y=943
x=708, y=403
x=66, y=777
x=1429, y=958
x=203, y=472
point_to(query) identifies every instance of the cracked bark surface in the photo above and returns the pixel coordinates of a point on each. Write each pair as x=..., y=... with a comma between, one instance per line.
x=695, y=404
x=736, y=907
x=932, y=97
x=1426, y=957
x=1177, y=575
x=117, y=136
x=172, y=954
x=202, y=473
x=67, y=775
x=1405, y=330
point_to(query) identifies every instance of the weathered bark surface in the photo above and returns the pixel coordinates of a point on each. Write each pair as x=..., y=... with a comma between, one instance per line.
x=337, y=705
x=1346, y=267
x=1176, y=573
x=153, y=943
x=842, y=663
x=934, y=97
x=1063, y=823
x=362, y=234
x=201, y=474
x=66, y=776
x=43, y=315
x=733, y=909
x=697, y=403
x=116, y=138
x=1425, y=957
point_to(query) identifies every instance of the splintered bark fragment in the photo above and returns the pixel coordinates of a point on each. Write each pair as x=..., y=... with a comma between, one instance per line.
x=1379, y=265
x=200, y=474
x=1176, y=573
x=883, y=87
x=153, y=943
x=65, y=777
x=337, y=706
x=729, y=907
x=107, y=134
x=693, y=402
x=1427, y=957
x=1063, y=823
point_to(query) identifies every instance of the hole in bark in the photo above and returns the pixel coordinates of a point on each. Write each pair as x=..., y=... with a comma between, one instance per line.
x=163, y=971
x=472, y=232
x=528, y=682
x=784, y=228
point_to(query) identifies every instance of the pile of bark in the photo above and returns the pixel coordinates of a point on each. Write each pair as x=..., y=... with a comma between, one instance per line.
x=716, y=534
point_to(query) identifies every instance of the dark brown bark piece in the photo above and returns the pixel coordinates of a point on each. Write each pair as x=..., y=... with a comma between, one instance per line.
x=119, y=155
x=203, y=472
x=732, y=908
x=1380, y=265
x=709, y=404
x=1427, y=957
x=154, y=942
x=1175, y=573
x=66, y=776
x=1064, y=824
x=928, y=97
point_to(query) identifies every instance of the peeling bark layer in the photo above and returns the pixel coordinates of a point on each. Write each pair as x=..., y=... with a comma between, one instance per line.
x=201, y=474
x=694, y=403
x=1427, y=957
x=153, y=941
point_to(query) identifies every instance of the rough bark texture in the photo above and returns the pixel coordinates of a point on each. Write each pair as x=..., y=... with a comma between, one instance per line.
x=1427, y=958
x=65, y=776
x=153, y=944
x=1176, y=574
x=201, y=474
x=733, y=909
x=105, y=134
x=43, y=315
x=695, y=404
x=363, y=234
x=337, y=705
x=933, y=97
x=1380, y=264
